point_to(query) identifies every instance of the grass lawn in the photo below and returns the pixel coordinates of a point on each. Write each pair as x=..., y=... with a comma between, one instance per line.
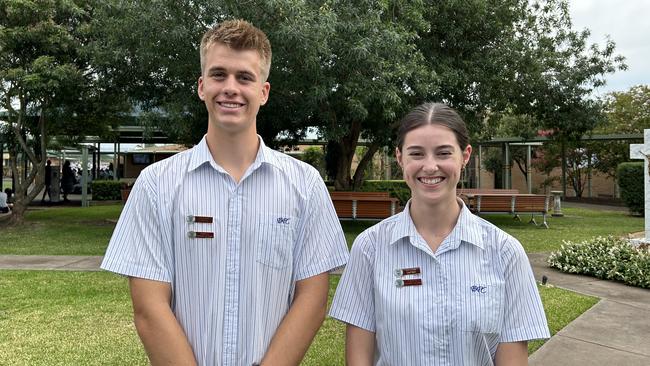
x=62, y=318
x=576, y=225
x=86, y=231
x=84, y=318
x=62, y=231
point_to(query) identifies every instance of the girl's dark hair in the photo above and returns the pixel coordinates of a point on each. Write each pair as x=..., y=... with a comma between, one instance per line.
x=433, y=114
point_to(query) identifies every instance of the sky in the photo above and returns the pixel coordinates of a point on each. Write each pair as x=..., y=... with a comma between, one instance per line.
x=626, y=23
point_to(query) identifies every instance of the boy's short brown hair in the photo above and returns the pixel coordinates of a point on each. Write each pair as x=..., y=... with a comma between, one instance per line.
x=239, y=35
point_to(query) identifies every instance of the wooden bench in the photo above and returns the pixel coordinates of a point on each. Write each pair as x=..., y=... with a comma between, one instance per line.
x=466, y=193
x=514, y=204
x=364, y=205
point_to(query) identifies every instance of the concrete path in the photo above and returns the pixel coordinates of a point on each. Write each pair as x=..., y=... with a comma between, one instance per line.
x=51, y=262
x=615, y=331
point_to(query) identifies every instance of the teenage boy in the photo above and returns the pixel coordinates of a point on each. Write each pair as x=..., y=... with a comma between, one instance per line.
x=228, y=245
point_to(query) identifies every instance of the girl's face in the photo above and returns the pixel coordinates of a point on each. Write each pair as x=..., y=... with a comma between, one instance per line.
x=431, y=160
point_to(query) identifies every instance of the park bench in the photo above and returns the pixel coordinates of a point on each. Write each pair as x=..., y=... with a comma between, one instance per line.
x=465, y=193
x=364, y=205
x=509, y=203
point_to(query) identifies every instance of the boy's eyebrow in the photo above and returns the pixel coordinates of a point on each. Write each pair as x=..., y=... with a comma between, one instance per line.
x=215, y=69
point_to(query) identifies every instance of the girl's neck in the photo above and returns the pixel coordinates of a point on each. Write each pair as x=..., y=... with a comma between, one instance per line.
x=434, y=221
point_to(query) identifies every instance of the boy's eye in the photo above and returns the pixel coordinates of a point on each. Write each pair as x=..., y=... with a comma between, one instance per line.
x=246, y=77
x=415, y=153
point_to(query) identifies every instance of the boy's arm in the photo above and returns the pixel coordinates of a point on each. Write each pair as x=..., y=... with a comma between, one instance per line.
x=162, y=336
x=298, y=328
x=359, y=346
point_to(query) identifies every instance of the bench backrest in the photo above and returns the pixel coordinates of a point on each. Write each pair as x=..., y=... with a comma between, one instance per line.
x=486, y=191
x=357, y=195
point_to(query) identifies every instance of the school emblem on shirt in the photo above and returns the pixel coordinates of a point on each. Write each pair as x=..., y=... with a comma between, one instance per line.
x=478, y=289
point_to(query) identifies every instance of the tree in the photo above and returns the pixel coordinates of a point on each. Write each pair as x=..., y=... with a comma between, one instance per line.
x=48, y=86
x=626, y=112
x=353, y=68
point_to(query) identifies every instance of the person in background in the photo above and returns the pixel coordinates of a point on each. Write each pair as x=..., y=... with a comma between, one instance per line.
x=67, y=180
x=48, y=181
x=435, y=284
x=4, y=201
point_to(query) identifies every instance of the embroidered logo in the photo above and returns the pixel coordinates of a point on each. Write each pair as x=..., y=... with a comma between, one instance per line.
x=478, y=289
x=283, y=220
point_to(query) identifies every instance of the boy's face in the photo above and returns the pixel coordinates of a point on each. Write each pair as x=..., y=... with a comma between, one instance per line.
x=233, y=89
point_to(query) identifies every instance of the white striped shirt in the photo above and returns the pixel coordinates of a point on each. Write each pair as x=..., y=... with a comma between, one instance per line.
x=477, y=290
x=273, y=228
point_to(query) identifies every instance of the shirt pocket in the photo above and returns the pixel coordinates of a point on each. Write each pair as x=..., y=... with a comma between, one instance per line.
x=275, y=236
x=479, y=307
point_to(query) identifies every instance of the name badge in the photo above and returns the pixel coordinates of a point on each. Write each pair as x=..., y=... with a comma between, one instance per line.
x=404, y=283
x=199, y=219
x=200, y=234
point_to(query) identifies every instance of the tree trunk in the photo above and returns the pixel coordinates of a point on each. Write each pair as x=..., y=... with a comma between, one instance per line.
x=359, y=175
x=18, y=214
x=348, y=146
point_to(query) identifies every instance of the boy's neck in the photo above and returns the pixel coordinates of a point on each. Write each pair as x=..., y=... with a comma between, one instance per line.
x=233, y=152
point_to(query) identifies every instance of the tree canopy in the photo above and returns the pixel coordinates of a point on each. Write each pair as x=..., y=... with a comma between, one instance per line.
x=48, y=85
x=349, y=68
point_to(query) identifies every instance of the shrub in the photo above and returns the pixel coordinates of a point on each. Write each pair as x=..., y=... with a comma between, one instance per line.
x=315, y=157
x=605, y=257
x=630, y=179
x=106, y=190
x=396, y=188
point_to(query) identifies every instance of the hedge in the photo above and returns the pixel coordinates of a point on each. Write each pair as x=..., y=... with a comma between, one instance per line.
x=630, y=180
x=396, y=188
x=608, y=258
x=106, y=190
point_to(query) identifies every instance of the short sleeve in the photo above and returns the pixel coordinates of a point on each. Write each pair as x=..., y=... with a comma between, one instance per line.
x=321, y=242
x=524, y=314
x=136, y=248
x=354, y=301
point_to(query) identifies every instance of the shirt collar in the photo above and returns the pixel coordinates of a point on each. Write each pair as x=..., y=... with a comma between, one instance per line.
x=201, y=155
x=465, y=229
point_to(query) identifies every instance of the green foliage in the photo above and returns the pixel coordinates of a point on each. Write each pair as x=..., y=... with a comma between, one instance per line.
x=353, y=68
x=106, y=190
x=630, y=179
x=397, y=188
x=606, y=258
x=628, y=111
x=315, y=157
x=50, y=84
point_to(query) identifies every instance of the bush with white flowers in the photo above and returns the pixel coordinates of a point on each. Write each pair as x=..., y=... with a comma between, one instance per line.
x=608, y=258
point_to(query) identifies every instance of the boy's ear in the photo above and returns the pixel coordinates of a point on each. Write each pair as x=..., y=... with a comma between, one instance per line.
x=266, y=88
x=199, y=90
